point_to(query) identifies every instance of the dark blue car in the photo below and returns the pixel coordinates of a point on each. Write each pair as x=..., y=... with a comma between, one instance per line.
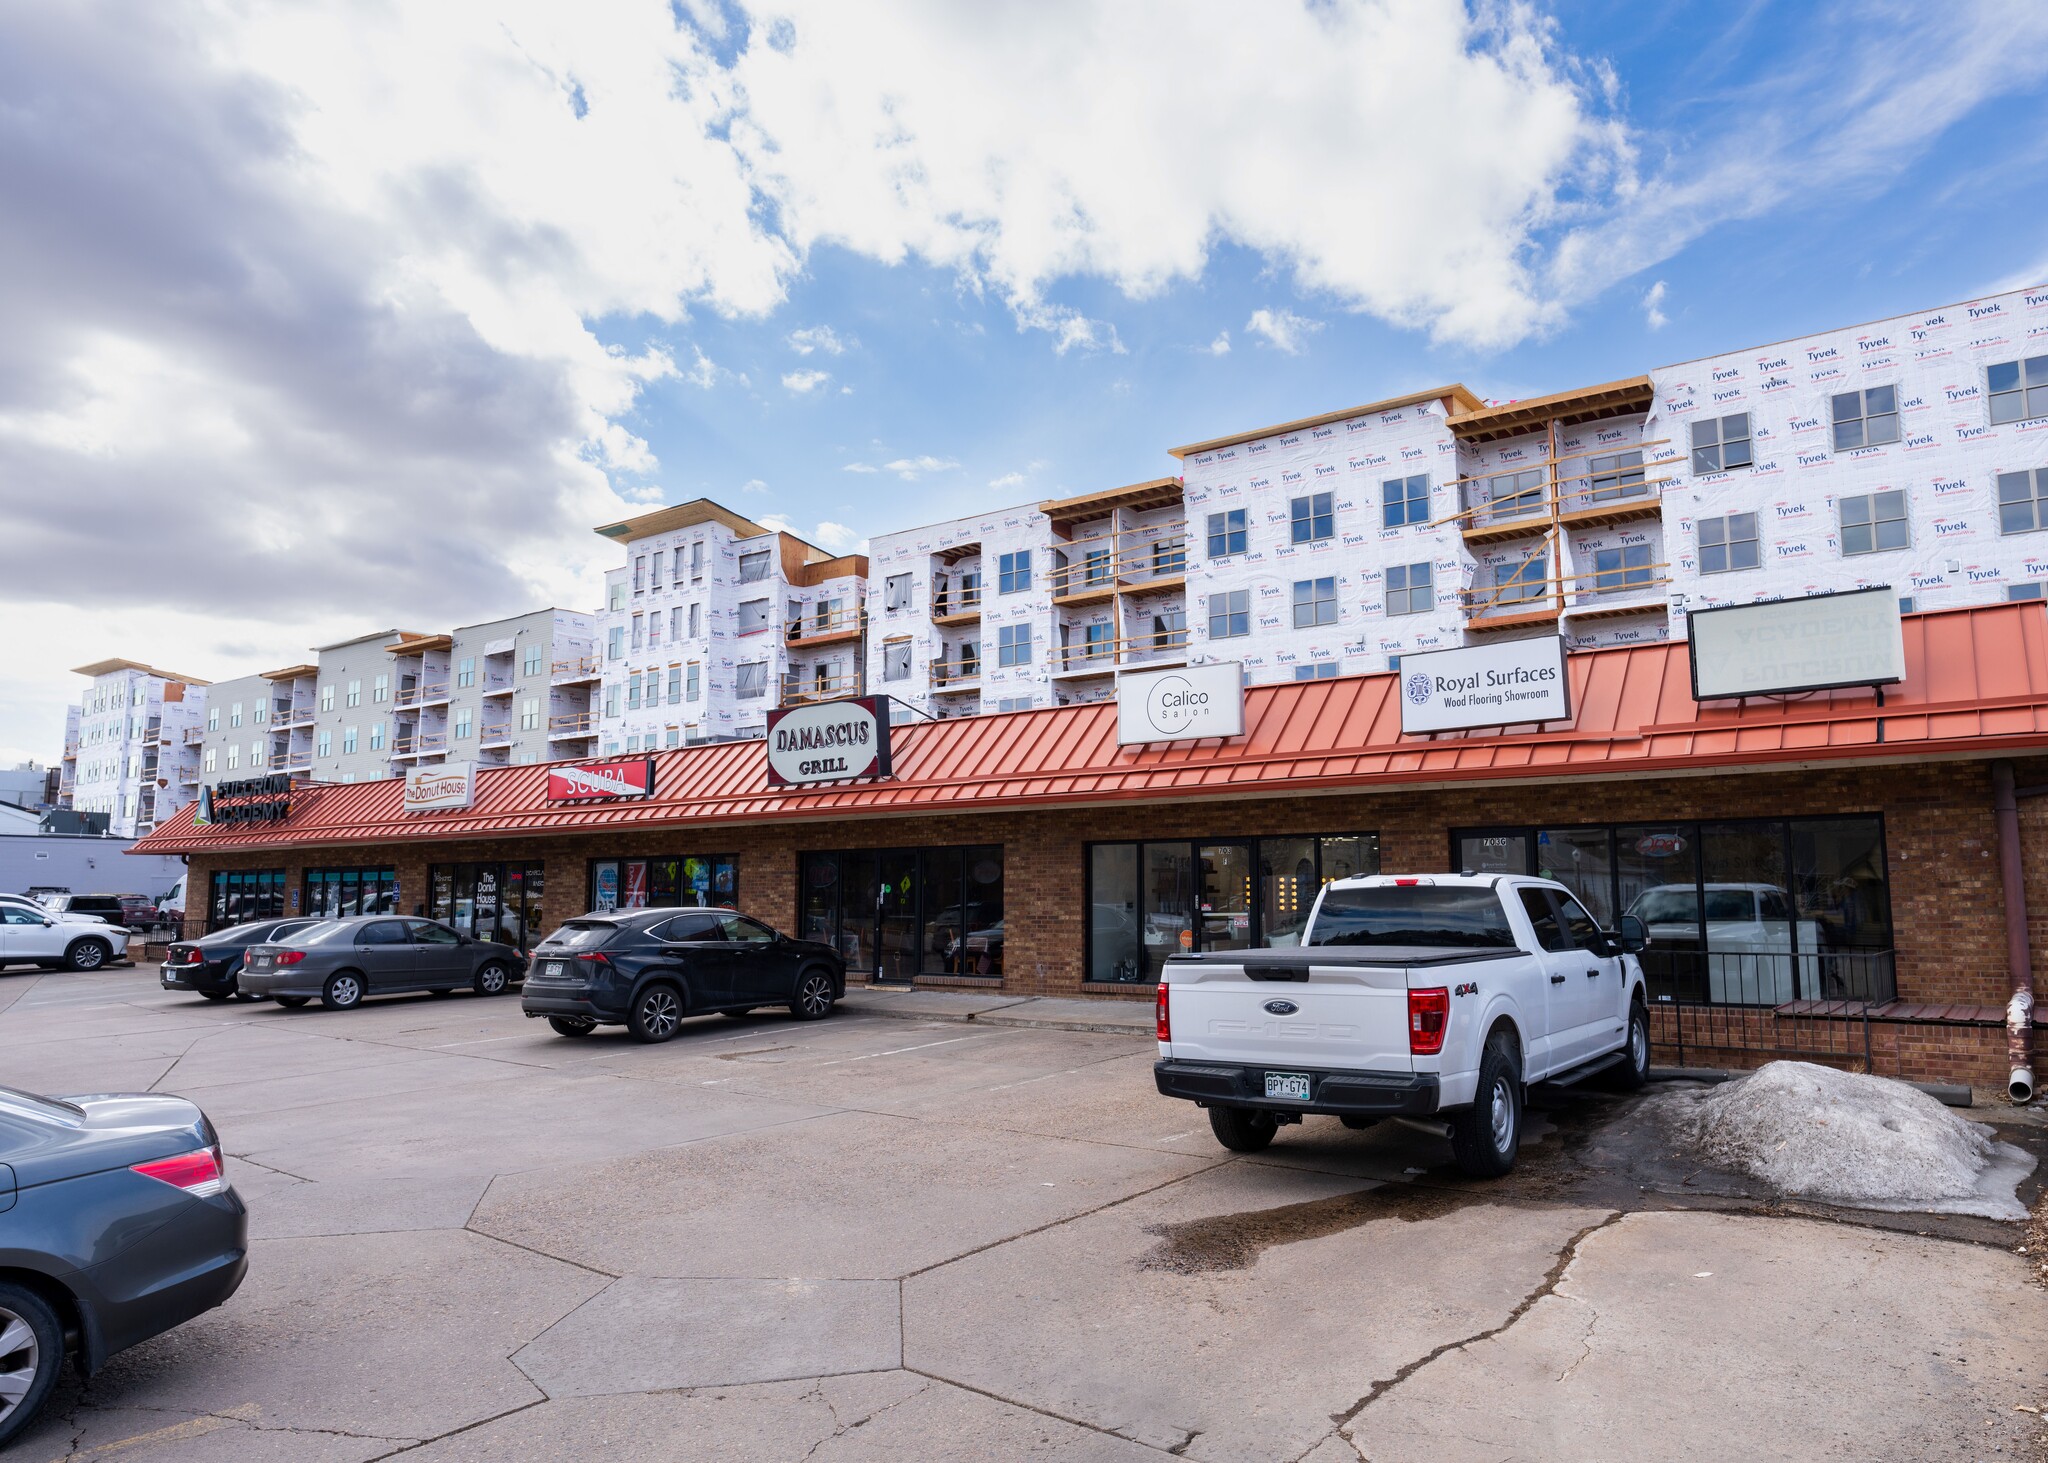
x=117, y=1223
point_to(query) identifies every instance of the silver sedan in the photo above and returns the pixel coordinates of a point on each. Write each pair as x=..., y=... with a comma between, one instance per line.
x=343, y=960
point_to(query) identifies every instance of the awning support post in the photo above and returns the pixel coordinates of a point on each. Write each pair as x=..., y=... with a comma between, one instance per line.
x=2019, y=1011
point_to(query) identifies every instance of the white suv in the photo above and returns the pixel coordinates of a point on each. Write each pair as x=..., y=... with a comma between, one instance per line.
x=33, y=935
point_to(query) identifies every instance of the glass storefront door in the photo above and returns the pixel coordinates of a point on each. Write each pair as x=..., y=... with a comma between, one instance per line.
x=902, y=913
x=1226, y=870
x=498, y=902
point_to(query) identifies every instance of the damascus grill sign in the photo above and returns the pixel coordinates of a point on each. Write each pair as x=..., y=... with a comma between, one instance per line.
x=829, y=742
x=633, y=779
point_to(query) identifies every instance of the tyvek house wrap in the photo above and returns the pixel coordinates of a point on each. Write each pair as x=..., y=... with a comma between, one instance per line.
x=1946, y=461
x=1352, y=460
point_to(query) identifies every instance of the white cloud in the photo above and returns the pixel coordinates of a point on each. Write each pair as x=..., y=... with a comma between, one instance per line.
x=1220, y=346
x=804, y=382
x=1008, y=481
x=753, y=485
x=861, y=467
x=1282, y=329
x=837, y=537
x=779, y=522
x=910, y=469
x=1653, y=307
x=819, y=338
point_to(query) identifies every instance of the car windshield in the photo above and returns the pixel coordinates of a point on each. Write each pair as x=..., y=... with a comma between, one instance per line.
x=582, y=935
x=1419, y=914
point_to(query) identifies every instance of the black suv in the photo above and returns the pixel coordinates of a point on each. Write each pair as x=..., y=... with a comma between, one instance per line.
x=649, y=968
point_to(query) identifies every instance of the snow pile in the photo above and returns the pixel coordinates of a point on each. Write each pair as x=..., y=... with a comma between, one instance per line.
x=1852, y=1139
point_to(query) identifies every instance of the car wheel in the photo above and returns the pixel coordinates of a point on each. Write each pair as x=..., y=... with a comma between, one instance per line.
x=291, y=1003
x=492, y=978
x=814, y=996
x=1634, y=1069
x=571, y=1025
x=657, y=1013
x=1485, y=1135
x=1242, y=1130
x=216, y=996
x=31, y=1351
x=343, y=992
x=88, y=954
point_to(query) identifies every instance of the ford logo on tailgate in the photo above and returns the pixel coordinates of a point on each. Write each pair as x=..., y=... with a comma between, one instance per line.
x=1281, y=1008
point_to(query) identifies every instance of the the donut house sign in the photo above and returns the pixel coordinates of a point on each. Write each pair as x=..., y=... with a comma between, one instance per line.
x=829, y=741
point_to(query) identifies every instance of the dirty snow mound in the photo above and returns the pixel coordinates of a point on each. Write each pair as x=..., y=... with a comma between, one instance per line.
x=1842, y=1136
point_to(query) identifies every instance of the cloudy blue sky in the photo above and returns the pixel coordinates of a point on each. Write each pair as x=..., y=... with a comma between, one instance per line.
x=322, y=316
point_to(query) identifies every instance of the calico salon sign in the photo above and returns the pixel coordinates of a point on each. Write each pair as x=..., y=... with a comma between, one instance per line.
x=630, y=779
x=1181, y=704
x=829, y=741
x=436, y=789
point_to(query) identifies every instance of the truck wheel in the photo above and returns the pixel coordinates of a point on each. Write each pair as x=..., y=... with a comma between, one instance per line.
x=1632, y=1073
x=1485, y=1135
x=1242, y=1130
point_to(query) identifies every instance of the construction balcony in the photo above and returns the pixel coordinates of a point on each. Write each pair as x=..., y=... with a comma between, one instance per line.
x=495, y=734
x=1093, y=570
x=193, y=736
x=1613, y=487
x=578, y=726
x=575, y=671
x=1598, y=594
x=834, y=629
x=956, y=606
x=802, y=690
x=963, y=673
x=1149, y=651
x=498, y=685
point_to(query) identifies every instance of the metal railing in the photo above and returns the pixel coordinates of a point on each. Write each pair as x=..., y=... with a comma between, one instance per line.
x=1717, y=1008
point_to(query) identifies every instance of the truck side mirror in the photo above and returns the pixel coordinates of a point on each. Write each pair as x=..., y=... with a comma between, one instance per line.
x=1635, y=935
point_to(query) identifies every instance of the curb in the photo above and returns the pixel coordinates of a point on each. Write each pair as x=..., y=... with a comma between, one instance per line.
x=998, y=1018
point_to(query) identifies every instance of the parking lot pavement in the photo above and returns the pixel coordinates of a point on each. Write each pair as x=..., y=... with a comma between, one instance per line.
x=888, y=1237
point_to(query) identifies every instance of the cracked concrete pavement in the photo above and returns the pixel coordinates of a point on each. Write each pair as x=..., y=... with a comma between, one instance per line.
x=876, y=1238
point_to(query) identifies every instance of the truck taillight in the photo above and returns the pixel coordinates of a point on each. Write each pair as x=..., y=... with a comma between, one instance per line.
x=1429, y=1012
x=1165, y=1017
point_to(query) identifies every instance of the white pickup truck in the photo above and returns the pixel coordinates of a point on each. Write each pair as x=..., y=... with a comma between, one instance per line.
x=1436, y=996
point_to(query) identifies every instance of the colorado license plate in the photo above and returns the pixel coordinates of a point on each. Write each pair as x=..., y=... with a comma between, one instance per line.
x=553, y=967
x=1287, y=1084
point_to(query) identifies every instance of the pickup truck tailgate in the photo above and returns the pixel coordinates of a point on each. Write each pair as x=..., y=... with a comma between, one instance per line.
x=1350, y=1016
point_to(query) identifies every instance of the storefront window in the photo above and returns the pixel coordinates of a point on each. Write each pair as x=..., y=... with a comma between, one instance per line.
x=1757, y=912
x=336, y=893
x=236, y=896
x=902, y=913
x=499, y=902
x=693, y=881
x=1147, y=901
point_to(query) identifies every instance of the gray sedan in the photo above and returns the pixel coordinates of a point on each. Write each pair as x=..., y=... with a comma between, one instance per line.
x=343, y=960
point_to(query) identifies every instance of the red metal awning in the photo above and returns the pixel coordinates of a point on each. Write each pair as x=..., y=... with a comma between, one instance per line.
x=1976, y=685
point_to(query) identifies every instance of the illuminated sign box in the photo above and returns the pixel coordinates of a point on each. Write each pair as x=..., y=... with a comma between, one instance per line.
x=1817, y=643
x=1503, y=684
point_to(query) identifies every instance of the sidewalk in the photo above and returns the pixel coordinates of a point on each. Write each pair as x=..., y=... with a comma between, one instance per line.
x=1117, y=1018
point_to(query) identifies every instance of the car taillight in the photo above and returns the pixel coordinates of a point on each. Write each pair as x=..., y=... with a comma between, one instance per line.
x=193, y=957
x=1429, y=1012
x=1160, y=1009
x=198, y=1173
x=290, y=957
x=595, y=958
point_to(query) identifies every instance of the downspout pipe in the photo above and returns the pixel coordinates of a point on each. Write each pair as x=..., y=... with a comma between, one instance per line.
x=2019, y=1011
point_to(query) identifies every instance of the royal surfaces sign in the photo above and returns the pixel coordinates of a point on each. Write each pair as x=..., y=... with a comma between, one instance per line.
x=1485, y=685
x=629, y=779
x=1181, y=704
x=436, y=789
x=1811, y=644
x=829, y=741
